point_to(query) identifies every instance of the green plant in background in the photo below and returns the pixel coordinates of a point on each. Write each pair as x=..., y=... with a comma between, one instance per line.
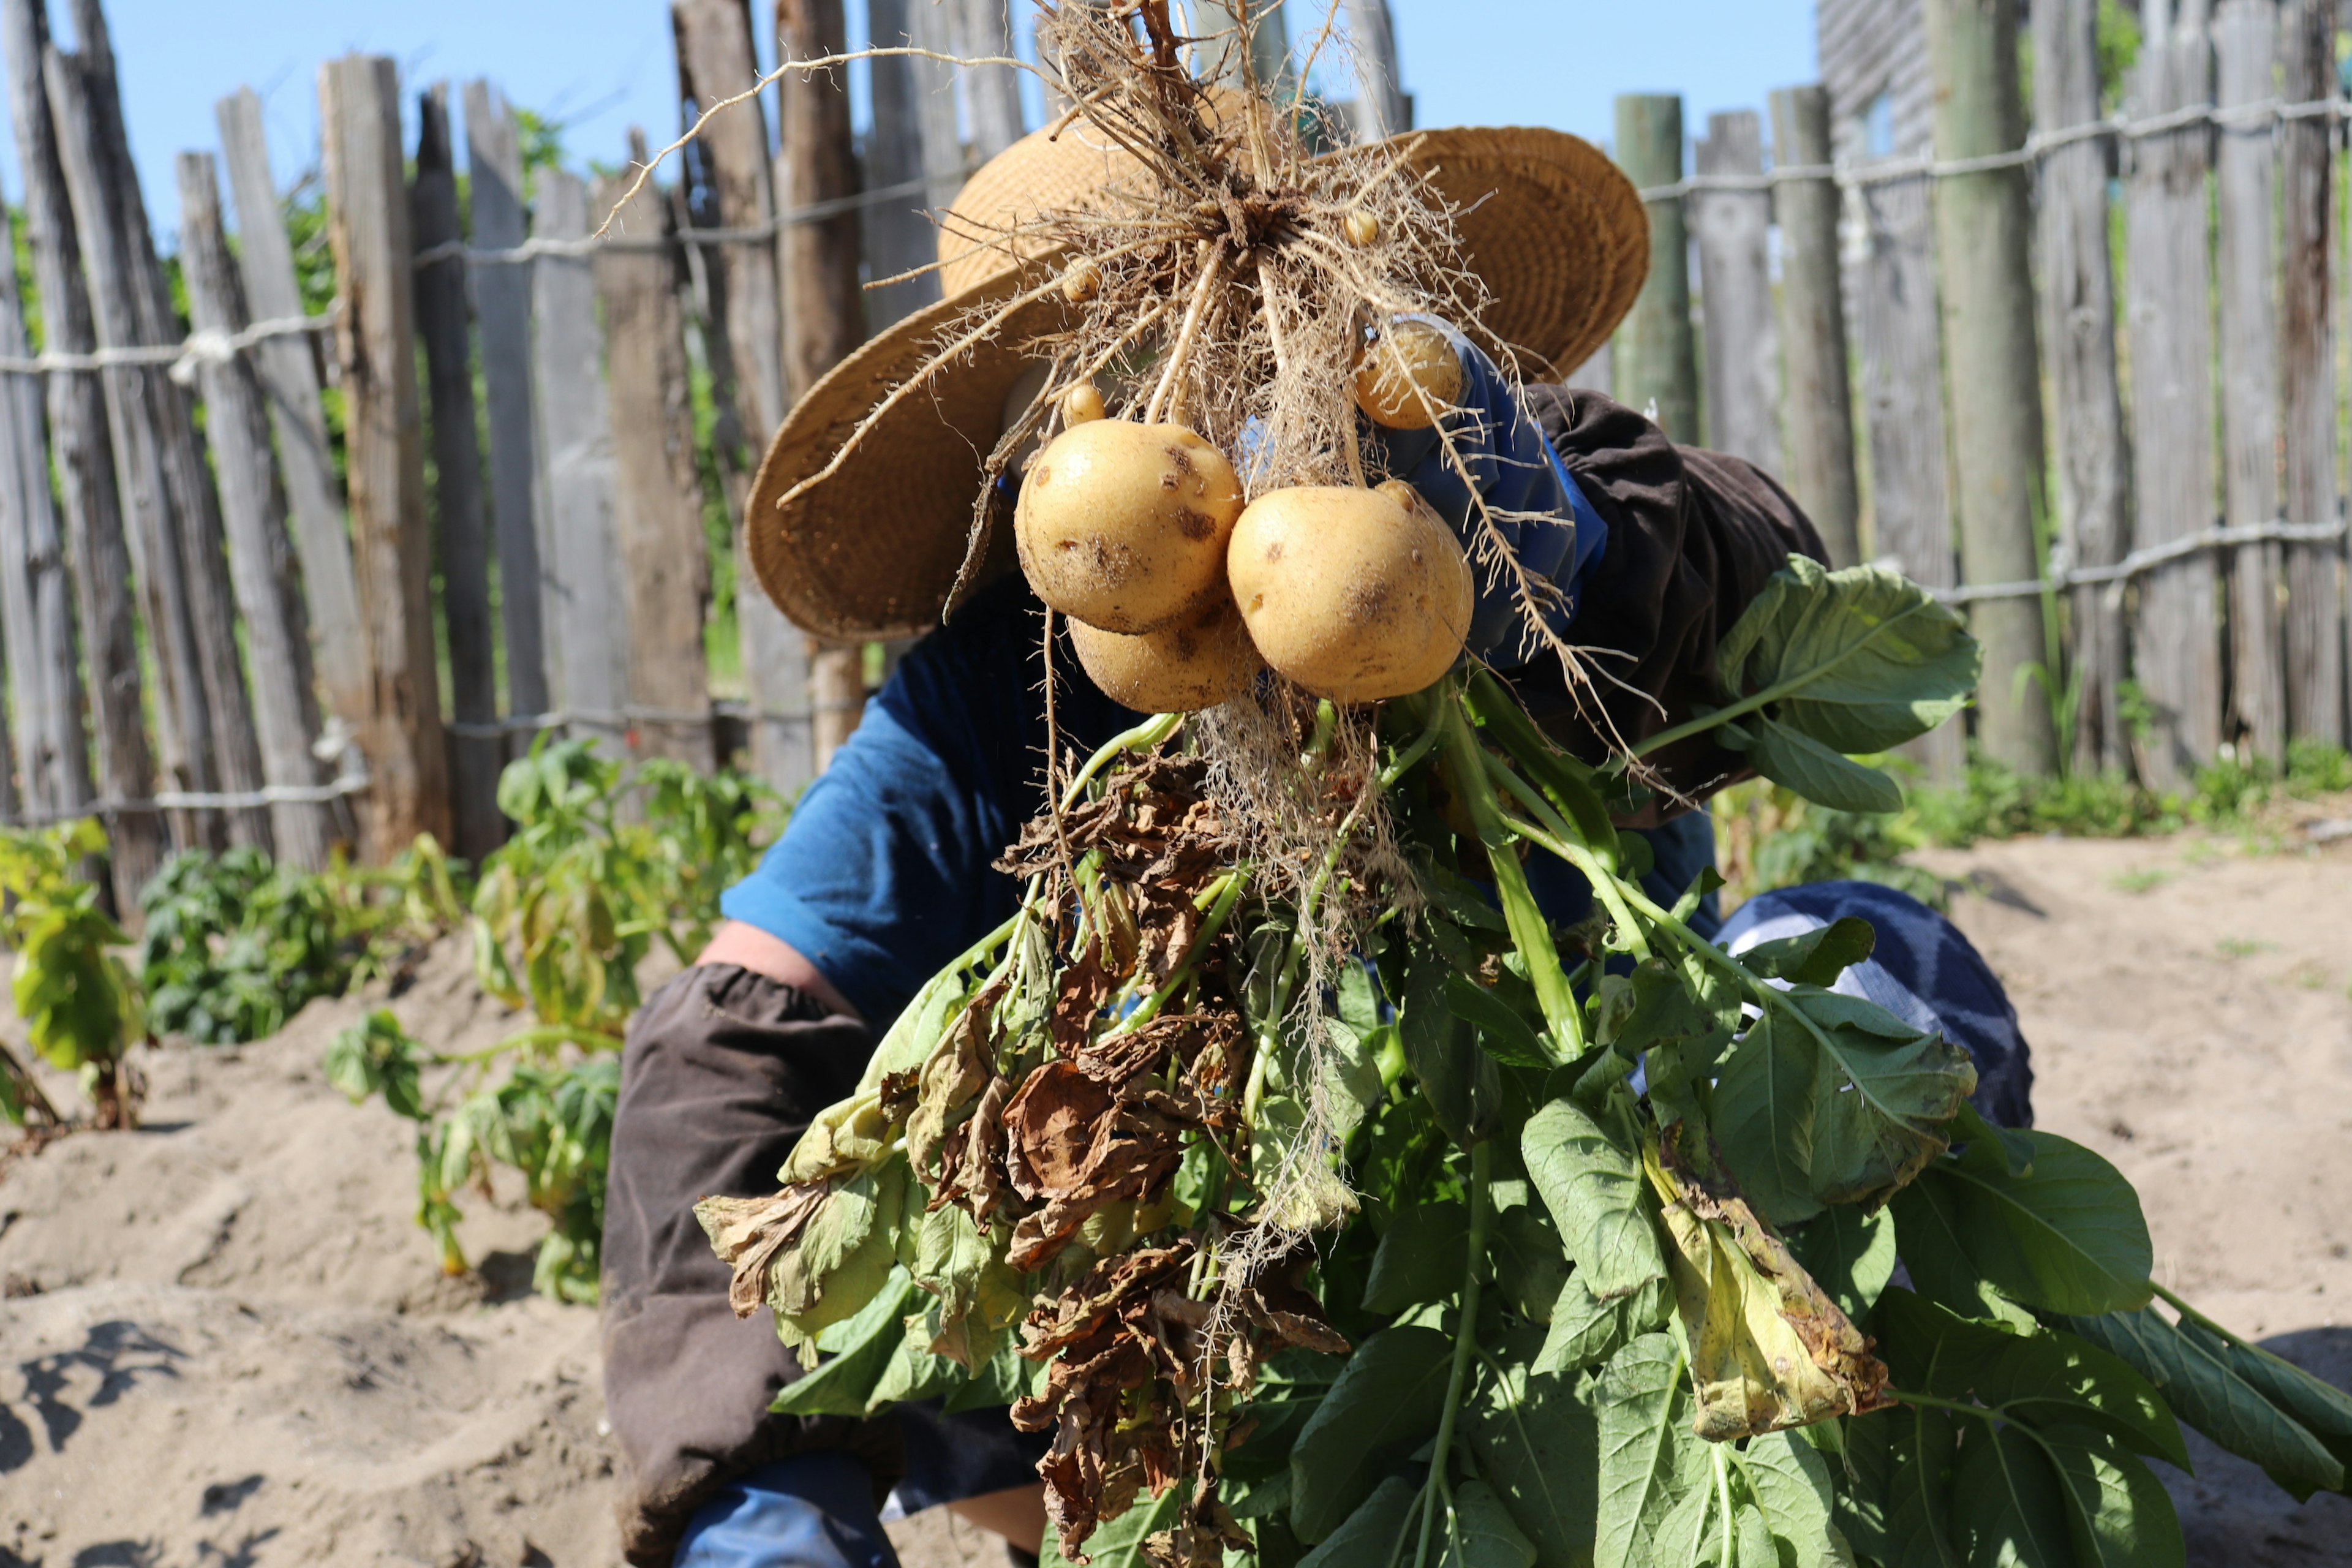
x=1768, y=836
x=80, y=1005
x=603, y=864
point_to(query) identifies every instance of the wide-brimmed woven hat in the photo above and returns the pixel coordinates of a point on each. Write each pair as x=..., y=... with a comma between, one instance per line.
x=1553, y=228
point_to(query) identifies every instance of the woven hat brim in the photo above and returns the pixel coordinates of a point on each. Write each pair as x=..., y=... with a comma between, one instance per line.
x=1554, y=228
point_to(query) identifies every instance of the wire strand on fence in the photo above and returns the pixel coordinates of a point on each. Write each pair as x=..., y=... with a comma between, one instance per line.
x=2039, y=144
x=206, y=345
x=2144, y=559
x=618, y=719
x=353, y=780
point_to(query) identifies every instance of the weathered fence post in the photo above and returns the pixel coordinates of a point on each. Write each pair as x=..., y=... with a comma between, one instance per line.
x=1381, y=109
x=2315, y=602
x=1734, y=230
x=502, y=304
x=260, y=551
x=2245, y=48
x=159, y=562
x=991, y=93
x=289, y=379
x=586, y=608
x=943, y=149
x=663, y=566
x=367, y=225
x=1814, y=393
x=824, y=316
x=85, y=468
x=1981, y=221
x=897, y=236
x=2177, y=647
x=441, y=322
x=1656, y=360
x=2078, y=303
x=36, y=594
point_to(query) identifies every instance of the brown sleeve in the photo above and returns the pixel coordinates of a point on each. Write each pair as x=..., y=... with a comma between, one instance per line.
x=1693, y=536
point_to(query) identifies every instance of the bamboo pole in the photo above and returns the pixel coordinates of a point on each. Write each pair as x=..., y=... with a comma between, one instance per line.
x=2315, y=599
x=1733, y=230
x=375, y=335
x=260, y=549
x=1981, y=230
x=1657, y=365
x=475, y=752
x=1816, y=399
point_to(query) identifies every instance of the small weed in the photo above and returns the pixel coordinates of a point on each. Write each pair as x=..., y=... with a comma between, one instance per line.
x=2232, y=948
x=2142, y=881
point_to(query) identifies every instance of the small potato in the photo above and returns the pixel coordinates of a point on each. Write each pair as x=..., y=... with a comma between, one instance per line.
x=1203, y=658
x=1123, y=526
x=1408, y=375
x=1353, y=593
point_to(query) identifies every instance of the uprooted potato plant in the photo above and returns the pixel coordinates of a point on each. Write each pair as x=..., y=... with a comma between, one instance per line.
x=1326, y=1199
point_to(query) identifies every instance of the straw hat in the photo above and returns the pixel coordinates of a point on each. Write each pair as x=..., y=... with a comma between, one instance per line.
x=1554, y=230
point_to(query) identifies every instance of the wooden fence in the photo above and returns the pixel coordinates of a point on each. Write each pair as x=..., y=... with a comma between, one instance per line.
x=2116, y=443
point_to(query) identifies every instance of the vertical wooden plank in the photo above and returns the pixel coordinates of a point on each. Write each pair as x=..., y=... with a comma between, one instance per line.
x=289, y=369
x=1595, y=373
x=824, y=318
x=1982, y=224
x=2176, y=646
x=991, y=93
x=2315, y=603
x=1656, y=360
x=1381, y=108
x=2245, y=52
x=184, y=721
x=1733, y=235
x=475, y=754
x=260, y=551
x=714, y=61
x=899, y=236
x=585, y=607
x=502, y=304
x=36, y=594
x=929, y=26
x=367, y=224
x=664, y=571
x=1813, y=391
x=2092, y=463
x=194, y=505
x=83, y=450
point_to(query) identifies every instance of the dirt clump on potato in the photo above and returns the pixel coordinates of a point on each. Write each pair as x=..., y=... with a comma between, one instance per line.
x=1123, y=526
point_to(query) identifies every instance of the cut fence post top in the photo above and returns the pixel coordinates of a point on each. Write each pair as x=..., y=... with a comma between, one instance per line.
x=367, y=225
x=442, y=323
x=663, y=564
x=1982, y=223
x=1657, y=361
x=289, y=369
x=82, y=447
x=1734, y=229
x=502, y=303
x=2315, y=601
x=1814, y=396
x=260, y=556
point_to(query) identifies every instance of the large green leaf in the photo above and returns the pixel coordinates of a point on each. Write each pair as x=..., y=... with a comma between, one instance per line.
x=1816, y=957
x=1833, y=1099
x=1531, y=1267
x=1460, y=1082
x=863, y=1347
x=1371, y=1534
x=1386, y=1402
x=1424, y=1256
x=1506, y=1035
x=1650, y=1458
x=2119, y=1513
x=2203, y=1385
x=2068, y=1238
x=2322, y=1408
x=1791, y=758
x=1903, y=1457
x=1850, y=1254
x=2007, y=1503
x=1598, y=1197
x=1863, y=660
x=1585, y=1331
x=1539, y=1443
x=1484, y=1534
x=1790, y=1481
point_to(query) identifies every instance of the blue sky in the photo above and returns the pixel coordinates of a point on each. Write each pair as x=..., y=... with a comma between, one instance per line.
x=603, y=65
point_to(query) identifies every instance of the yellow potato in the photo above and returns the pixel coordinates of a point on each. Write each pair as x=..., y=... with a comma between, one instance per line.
x=1201, y=660
x=1410, y=373
x=1353, y=593
x=1123, y=526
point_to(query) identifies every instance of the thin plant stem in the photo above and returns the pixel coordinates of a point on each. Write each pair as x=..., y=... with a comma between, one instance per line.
x=1465, y=1341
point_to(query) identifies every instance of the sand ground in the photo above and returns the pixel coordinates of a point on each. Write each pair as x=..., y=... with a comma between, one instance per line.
x=223, y=1343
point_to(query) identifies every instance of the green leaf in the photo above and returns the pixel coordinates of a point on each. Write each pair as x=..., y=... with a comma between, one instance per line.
x=1386, y=1404
x=1908, y=1452
x=913, y=1371
x=1586, y=1331
x=1598, y=1197
x=1864, y=660
x=2070, y=1238
x=1484, y=1534
x=862, y=1349
x=2007, y=1503
x=1539, y=1443
x=1424, y=1256
x=1460, y=1082
x=2323, y=1407
x=1926, y=1213
x=2202, y=1385
x=1503, y=1035
x=2119, y=1513
x=1850, y=1254
x=1790, y=1483
x=1816, y=957
x=1530, y=1269
x=1650, y=1458
x=1792, y=758
x=1371, y=1534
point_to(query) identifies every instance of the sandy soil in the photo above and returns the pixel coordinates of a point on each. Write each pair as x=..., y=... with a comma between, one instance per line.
x=224, y=1341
